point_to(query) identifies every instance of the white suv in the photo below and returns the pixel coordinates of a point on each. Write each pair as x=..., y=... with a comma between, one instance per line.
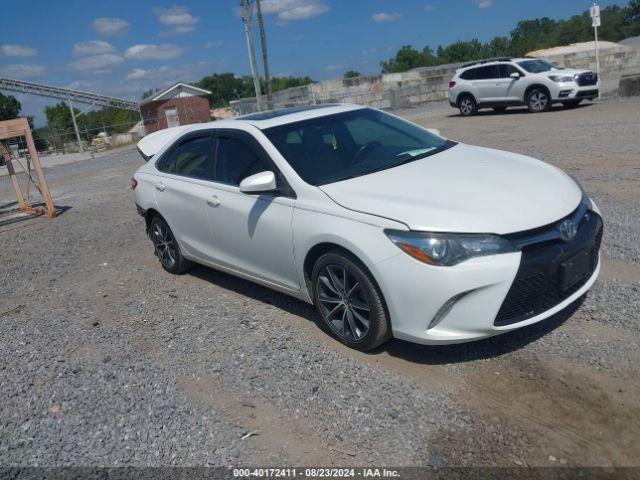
x=534, y=82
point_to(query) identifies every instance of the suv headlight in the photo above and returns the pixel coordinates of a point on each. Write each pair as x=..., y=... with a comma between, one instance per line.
x=561, y=78
x=446, y=249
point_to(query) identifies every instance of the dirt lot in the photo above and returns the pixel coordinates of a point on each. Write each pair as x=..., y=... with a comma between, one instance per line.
x=106, y=359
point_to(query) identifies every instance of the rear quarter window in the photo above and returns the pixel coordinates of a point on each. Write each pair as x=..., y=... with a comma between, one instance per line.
x=470, y=74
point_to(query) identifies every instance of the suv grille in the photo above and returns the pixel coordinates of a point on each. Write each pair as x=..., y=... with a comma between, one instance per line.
x=586, y=79
x=538, y=283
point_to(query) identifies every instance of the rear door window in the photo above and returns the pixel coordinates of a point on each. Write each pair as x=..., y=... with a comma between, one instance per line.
x=193, y=158
x=488, y=72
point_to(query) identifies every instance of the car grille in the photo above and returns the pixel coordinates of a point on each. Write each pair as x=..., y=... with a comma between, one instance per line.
x=537, y=286
x=587, y=93
x=586, y=79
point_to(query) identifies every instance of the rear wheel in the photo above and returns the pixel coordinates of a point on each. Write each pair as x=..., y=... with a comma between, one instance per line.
x=349, y=301
x=166, y=247
x=467, y=106
x=538, y=100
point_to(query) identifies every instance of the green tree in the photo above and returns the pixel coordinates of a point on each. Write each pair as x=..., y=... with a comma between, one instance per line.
x=9, y=107
x=352, y=74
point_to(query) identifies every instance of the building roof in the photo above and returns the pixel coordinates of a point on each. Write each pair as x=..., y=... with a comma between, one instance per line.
x=179, y=89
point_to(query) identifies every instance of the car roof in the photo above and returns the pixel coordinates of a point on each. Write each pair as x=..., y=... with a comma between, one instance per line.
x=489, y=62
x=154, y=142
x=282, y=116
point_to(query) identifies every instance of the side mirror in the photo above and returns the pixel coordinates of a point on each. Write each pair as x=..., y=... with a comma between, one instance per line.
x=259, y=183
x=515, y=75
x=434, y=131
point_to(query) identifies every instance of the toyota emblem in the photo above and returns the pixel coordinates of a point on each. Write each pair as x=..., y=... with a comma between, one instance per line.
x=568, y=230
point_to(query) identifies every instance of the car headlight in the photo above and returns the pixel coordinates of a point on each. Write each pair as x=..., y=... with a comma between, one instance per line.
x=446, y=249
x=561, y=78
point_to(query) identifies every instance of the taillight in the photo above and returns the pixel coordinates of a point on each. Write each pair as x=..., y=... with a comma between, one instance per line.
x=134, y=183
x=452, y=84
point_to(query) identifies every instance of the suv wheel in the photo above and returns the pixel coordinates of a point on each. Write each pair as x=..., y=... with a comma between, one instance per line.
x=349, y=301
x=538, y=100
x=166, y=247
x=467, y=106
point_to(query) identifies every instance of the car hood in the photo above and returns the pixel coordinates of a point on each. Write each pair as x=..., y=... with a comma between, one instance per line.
x=464, y=189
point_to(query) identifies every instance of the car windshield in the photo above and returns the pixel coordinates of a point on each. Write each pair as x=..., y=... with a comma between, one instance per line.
x=537, y=66
x=346, y=145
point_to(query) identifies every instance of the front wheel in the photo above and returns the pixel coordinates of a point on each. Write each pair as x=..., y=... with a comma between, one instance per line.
x=349, y=301
x=538, y=101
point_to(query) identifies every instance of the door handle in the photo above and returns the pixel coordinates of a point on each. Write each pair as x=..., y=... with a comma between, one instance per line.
x=160, y=187
x=213, y=201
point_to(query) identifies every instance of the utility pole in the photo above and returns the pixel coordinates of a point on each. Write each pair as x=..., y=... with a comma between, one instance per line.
x=246, y=18
x=265, y=60
x=596, y=22
x=75, y=126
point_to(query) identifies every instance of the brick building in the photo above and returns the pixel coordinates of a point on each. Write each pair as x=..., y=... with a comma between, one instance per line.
x=180, y=104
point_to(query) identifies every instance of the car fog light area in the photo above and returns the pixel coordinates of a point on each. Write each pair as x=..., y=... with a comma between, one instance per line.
x=447, y=249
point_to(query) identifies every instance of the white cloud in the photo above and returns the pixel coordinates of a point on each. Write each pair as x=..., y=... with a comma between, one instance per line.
x=92, y=47
x=110, y=26
x=385, y=17
x=216, y=44
x=430, y=8
x=18, y=51
x=151, y=74
x=22, y=71
x=294, y=9
x=153, y=52
x=333, y=68
x=100, y=63
x=178, y=18
x=368, y=51
x=483, y=3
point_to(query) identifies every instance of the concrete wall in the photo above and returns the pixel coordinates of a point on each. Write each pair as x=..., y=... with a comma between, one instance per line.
x=398, y=90
x=389, y=91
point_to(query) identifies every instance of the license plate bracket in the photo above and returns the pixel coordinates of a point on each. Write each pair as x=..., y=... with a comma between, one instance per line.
x=575, y=269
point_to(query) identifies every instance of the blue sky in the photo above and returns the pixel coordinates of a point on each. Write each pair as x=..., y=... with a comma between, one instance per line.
x=123, y=47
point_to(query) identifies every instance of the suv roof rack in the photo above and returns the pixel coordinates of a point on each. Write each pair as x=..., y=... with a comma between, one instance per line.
x=479, y=62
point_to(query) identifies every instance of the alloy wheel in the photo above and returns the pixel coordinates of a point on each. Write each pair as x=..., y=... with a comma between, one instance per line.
x=164, y=244
x=466, y=106
x=343, y=303
x=538, y=101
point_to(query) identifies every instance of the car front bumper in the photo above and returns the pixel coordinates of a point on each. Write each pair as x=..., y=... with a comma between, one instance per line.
x=571, y=91
x=468, y=301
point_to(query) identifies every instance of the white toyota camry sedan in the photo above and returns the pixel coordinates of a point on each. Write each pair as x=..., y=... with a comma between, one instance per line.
x=387, y=228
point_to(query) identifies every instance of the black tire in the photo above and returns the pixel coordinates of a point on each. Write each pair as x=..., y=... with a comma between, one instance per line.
x=499, y=109
x=571, y=103
x=538, y=100
x=467, y=105
x=166, y=247
x=360, y=298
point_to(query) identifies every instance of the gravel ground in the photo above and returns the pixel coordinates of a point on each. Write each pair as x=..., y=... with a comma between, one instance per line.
x=105, y=359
